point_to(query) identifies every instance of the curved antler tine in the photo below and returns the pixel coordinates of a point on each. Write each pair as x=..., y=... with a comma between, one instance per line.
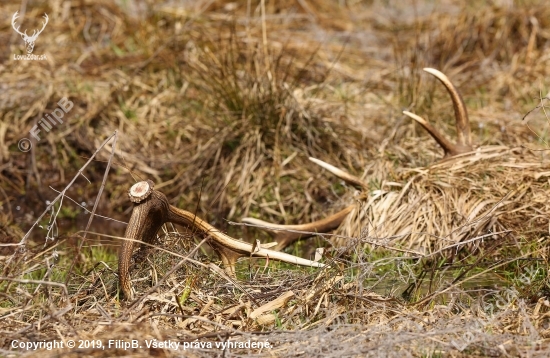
x=461, y=114
x=284, y=237
x=348, y=178
x=448, y=147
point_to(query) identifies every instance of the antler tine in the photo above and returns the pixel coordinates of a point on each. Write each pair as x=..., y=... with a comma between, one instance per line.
x=152, y=210
x=449, y=147
x=348, y=178
x=284, y=237
x=461, y=114
x=464, y=143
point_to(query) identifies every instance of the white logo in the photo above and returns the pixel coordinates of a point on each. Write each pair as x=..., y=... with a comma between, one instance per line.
x=29, y=40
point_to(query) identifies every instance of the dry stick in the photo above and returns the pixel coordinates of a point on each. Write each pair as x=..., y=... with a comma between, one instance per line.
x=48, y=272
x=433, y=295
x=326, y=234
x=140, y=67
x=541, y=105
x=115, y=134
x=61, y=195
x=468, y=241
x=88, y=211
x=89, y=221
x=39, y=282
x=61, y=312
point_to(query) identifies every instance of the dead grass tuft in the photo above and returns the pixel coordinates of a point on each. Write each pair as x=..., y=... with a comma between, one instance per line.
x=492, y=193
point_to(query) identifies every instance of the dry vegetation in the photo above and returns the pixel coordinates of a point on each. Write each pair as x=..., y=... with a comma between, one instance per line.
x=221, y=104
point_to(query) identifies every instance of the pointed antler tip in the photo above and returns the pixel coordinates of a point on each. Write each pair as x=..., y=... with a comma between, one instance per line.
x=416, y=117
x=440, y=75
x=461, y=113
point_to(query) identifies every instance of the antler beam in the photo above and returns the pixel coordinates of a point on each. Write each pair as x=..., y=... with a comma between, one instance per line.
x=152, y=210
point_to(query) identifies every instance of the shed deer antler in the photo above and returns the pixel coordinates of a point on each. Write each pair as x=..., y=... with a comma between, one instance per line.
x=287, y=234
x=463, y=145
x=29, y=40
x=152, y=210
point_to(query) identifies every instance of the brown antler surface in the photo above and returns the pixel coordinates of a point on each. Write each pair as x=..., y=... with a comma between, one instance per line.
x=463, y=144
x=152, y=210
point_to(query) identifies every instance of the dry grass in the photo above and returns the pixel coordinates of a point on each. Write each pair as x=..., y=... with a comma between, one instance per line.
x=491, y=194
x=221, y=104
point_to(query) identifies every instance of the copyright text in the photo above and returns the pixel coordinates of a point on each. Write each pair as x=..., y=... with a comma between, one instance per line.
x=137, y=344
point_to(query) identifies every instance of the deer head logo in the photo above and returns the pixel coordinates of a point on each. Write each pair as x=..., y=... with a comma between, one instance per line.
x=29, y=40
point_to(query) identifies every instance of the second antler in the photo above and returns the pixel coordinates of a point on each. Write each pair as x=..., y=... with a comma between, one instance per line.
x=152, y=210
x=464, y=142
x=287, y=234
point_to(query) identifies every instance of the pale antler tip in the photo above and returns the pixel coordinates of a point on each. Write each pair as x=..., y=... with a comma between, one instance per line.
x=416, y=117
x=345, y=176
